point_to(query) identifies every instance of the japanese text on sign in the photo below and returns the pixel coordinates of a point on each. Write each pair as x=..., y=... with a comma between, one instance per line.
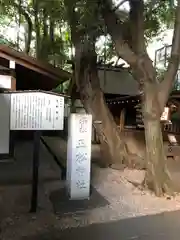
x=79, y=156
x=36, y=111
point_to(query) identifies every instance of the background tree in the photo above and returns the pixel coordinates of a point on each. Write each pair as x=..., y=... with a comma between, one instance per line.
x=42, y=29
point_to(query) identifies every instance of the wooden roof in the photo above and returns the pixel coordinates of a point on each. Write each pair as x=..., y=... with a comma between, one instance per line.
x=174, y=96
x=24, y=63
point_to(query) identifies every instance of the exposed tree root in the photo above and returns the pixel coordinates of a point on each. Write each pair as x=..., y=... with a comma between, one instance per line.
x=160, y=187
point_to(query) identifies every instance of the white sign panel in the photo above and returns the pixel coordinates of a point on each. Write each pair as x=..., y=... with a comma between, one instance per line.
x=12, y=64
x=79, y=156
x=36, y=111
x=5, y=81
x=4, y=120
x=165, y=114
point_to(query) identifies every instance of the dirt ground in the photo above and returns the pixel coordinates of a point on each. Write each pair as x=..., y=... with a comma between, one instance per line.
x=125, y=201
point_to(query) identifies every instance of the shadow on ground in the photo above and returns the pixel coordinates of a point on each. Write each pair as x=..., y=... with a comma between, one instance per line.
x=165, y=226
x=63, y=205
x=19, y=172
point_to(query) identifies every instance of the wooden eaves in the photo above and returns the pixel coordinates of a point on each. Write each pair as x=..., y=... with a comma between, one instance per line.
x=31, y=63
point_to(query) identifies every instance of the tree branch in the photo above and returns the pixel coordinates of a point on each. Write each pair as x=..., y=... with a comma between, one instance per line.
x=136, y=16
x=72, y=19
x=115, y=28
x=140, y=62
x=169, y=78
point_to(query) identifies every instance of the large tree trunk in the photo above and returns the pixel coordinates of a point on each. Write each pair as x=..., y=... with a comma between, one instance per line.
x=157, y=176
x=133, y=51
x=113, y=148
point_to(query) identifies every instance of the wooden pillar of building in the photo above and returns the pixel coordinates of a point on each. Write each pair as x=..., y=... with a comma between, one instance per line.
x=122, y=119
x=12, y=66
x=8, y=77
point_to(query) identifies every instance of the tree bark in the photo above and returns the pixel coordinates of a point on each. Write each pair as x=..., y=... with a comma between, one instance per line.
x=51, y=30
x=29, y=36
x=44, y=49
x=45, y=25
x=86, y=77
x=112, y=147
x=137, y=42
x=157, y=176
x=37, y=29
x=51, y=34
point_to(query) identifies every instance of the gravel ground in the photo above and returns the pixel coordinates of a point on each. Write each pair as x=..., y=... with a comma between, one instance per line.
x=125, y=201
